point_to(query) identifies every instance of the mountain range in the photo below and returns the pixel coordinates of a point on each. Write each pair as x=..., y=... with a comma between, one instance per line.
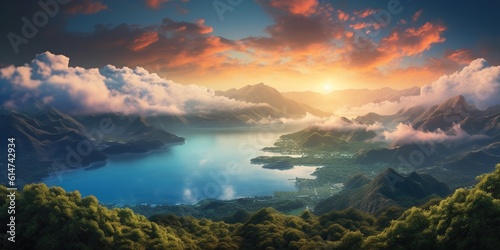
x=455, y=110
x=318, y=137
x=273, y=106
x=453, y=140
x=261, y=93
x=45, y=135
x=387, y=189
x=49, y=140
x=241, y=117
x=349, y=97
x=464, y=154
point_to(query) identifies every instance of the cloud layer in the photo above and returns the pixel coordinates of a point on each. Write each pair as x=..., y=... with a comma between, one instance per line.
x=85, y=7
x=309, y=41
x=343, y=124
x=478, y=82
x=403, y=134
x=49, y=79
x=406, y=134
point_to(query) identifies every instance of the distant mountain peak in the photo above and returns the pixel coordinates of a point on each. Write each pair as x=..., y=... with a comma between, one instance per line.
x=346, y=120
x=262, y=93
x=386, y=189
x=456, y=101
x=138, y=123
x=261, y=87
x=139, y=119
x=412, y=110
x=444, y=115
x=456, y=104
x=389, y=171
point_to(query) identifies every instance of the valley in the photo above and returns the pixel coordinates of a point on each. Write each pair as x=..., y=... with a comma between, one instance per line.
x=302, y=167
x=258, y=124
x=230, y=167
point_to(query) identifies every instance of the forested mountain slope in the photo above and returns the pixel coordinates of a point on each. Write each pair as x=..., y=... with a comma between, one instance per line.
x=50, y=218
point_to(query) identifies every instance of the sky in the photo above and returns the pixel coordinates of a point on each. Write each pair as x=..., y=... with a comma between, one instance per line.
x=292, y=45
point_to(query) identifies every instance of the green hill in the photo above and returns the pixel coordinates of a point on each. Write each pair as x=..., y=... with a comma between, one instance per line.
x=50, y=218
x=387, y=189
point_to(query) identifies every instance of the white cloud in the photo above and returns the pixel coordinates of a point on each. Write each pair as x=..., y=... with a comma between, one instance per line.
x=188, y=196
x=478, y=82
x=406, y=134
x=342, y=124
x=403, y=133
x=381, y=108
x=325, y=123
x=50, y=79
x=306, y=120
x=228, y=193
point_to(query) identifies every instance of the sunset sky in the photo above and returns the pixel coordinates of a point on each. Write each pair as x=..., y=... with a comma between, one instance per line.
x=292, y=45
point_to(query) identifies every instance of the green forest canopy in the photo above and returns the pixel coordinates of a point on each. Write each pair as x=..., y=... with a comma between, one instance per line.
x=50, y=218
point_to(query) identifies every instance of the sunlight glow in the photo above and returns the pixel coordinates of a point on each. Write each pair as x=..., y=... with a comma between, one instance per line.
x=327, y=87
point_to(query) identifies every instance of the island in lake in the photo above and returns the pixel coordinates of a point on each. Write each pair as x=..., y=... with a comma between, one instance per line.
x=280, y=165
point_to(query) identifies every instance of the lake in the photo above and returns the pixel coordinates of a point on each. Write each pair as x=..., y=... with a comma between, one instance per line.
x=213, y=163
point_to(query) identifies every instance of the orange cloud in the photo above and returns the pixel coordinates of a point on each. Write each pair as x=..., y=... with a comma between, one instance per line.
x=365, y=13
x=204, y=29
x=342, y=15
x=155, y=4
x=410, y=76
x=144, y=41
x=202, y=53
x=296, y=7
x=293, y=33
x=358, y=26
x=460, y=56
x=367, y=55
x=417, y=15
x=363, y=25
x=415, y=75
x=196, y=28
x=306, y=46
x=413, y=41
x=85, y=7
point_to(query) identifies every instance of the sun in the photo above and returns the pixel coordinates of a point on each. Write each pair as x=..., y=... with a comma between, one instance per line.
x=327, y=87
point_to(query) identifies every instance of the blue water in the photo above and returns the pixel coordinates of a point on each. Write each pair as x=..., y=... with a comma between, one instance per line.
x=211, y=164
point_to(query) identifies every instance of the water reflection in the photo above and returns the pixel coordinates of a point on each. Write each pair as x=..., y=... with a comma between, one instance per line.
x=212, y=164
